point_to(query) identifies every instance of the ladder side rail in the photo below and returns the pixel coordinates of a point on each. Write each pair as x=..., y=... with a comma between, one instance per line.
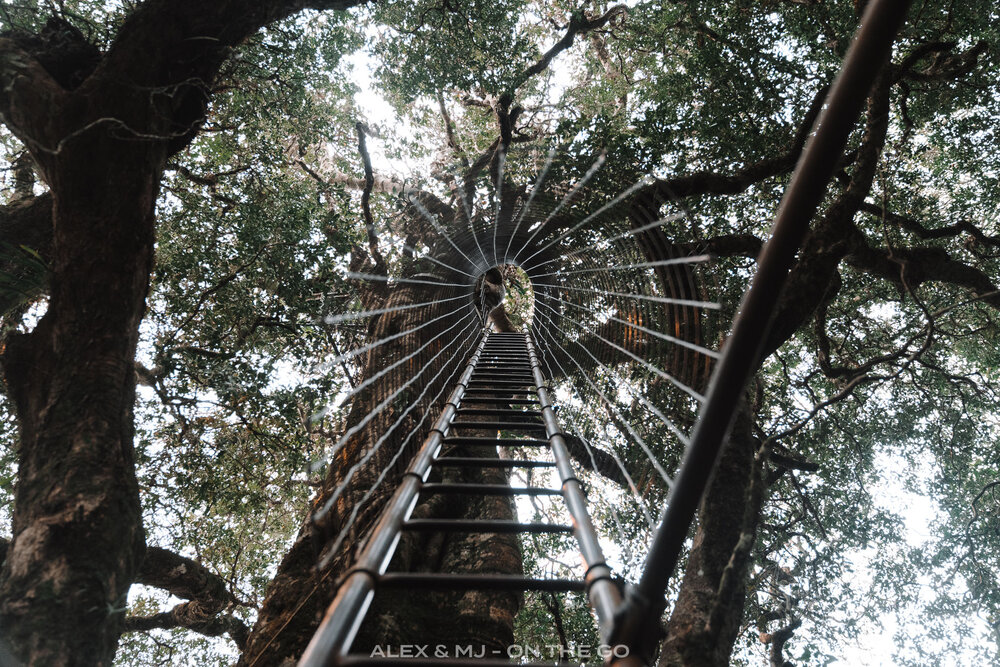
x=343, y=617
x=602, y=591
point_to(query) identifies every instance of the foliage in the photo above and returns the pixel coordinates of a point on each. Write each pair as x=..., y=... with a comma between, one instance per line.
x=253, y=249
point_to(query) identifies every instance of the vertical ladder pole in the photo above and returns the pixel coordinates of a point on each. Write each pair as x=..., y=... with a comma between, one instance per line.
x=344, y=615
x=603, y=593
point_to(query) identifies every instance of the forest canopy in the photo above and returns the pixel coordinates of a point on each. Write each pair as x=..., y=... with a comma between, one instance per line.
x=213, y=215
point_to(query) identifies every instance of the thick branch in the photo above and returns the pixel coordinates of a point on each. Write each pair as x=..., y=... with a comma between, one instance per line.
x=778, y=641
x=916, y=227
x=182, y=577
x=189, y=616
x=579, y=24
x=911, y=267
x=28, y=222
x=164, y=61
x=606, y=466
x=945, y=67
x=26, y=88
x=206, y=591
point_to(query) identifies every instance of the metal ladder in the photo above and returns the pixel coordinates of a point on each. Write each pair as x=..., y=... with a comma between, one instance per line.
x=504, y=371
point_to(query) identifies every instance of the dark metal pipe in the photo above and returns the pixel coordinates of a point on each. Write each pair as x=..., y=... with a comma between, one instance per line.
x=865, y=59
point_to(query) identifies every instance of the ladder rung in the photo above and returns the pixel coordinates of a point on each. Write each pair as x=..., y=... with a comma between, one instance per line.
x=499, y=370
x=504, y=363
x=536, y=427
x=483, y=462
x=497, y=361
x=493, y=442
x=486, y=411
x=484, y=526
x=505, y=582
x=482, y=393
x=488, y=489
x=499, y=384
x=503, y=371
x=512, y=401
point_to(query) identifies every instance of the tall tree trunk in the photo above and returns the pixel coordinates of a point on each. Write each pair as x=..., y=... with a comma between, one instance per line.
x=705, y=621
x=77, y=532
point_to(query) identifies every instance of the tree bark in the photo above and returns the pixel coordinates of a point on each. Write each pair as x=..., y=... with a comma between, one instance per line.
x=77, y=534
x=206, y=592
x=704, y=622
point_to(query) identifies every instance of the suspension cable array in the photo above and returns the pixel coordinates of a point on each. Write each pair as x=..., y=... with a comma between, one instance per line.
x=504, y=372
x=504, y=392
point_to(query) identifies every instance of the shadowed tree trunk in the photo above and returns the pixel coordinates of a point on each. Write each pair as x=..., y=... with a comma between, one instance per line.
x=705, y=620
x=72, y=384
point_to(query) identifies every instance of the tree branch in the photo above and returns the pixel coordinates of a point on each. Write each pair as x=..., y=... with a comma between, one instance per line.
x=578, y=24
x=708, y=182
x=206, y=591
x=916, y=266
x=366, y=197
x=155, y=80
x=922, y=232
x=832, y=237
x=606, y=466
x=778, y=641
x=450, y=133
x=26, y=87
x=188, y=616
x=182, y=577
